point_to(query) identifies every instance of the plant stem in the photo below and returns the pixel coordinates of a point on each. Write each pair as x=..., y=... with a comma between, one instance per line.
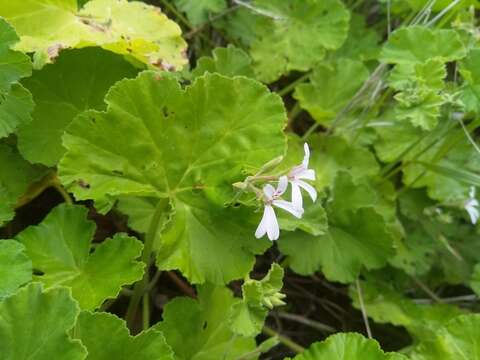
x=177, y=13
x=142, y=285
x=283, y=339
x=362, y=307
x=287, y=89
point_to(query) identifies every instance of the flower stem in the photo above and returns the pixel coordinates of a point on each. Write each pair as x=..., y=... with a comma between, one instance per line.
x=142, y=286
x=289, y=88
x=283, y=339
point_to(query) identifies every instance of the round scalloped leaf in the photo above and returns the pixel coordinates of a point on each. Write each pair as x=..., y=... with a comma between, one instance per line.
x=15, y=267
x=458, y=339
x=158, y=140
x=347, y=346
x=330, y=88
x=130, y=28
x=417, y=44
x=229, y=61
x=34, y=325
x=298, y=35
x=16, y=175
x=195, y=332
x=198, y=11
x=16, y=105
x=60, y=94
x=60, y=249
x=357, y=236
x=106, y=337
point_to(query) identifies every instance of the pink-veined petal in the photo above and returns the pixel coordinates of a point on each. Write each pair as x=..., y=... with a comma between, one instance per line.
x=273, y=230
x=309, y=189
x=306, y=158
x=282, y=185
x=288, y=206
x=297, y=199
x=307, y=174
x=269, y=191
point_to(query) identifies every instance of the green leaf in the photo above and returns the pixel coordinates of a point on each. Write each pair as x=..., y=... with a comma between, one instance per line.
x=15, y=267
x=60, y=249
x=198, y=11
x=357, y=237
x=105, y=336
x=35, y=323
x=259, y=296
x=333, y=154
x=417, y=44
x=16, y=175
x=458, y=339
x=229, y=61
x=471, y=74
x=475, y=280
x=190, y=145
x=347, y=346
x=298, y=35
x=16, y=104
x=60, y=94
x=129, y=28
x=421, y=109
x=199, y=329
x=330, y=89
x=385, y=305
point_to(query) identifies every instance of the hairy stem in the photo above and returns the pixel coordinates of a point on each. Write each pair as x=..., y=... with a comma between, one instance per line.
x=283, y=339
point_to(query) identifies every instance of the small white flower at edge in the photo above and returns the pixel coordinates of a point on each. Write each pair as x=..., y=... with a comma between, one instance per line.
x=471, y=205
x=269, y=224
x=297, y=175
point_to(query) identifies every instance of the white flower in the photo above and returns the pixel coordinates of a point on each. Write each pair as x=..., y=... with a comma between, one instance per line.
x=471, y=205
x=269, y=224
x=297, y=175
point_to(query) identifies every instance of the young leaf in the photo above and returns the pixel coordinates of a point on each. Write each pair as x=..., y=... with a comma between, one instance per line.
x=15, y=267
x=331, y=87
x=347, y=346
x=16, y=104
x=189, y=145
x=417, y=44
x=60, y=94
x=105, y=336
x=199, y=329
x=35, y=323
x=198, y=11
x=259, y=296
x=229, y=61
x=16, y=175
x=60, y=249
x=296, y=35
x=132, y=28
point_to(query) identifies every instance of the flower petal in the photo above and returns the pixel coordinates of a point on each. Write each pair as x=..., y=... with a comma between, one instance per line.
x=297, y=199
x=474, y=213
x=273, y=230
x=288, y=206
x=307, y=174
x=269, y=191
x=282, y=185
x=472, y=192
x=306, y=158
x=262, y=227
x=308, y=188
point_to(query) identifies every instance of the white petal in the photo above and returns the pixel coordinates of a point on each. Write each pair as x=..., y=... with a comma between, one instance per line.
x=307, y=174
x=269, y=191
x=297, y=199
x=273, y=230
x=309, y=189
x=282, y=185
x=474, y=213
x=262, y=227
x=288, y=206
x=307, y=155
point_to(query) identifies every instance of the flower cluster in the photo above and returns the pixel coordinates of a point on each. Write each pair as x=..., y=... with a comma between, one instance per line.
x=271, y=197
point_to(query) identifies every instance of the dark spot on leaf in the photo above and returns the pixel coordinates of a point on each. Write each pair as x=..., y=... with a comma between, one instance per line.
x=204, y=325
x=165, y=111
x=38, y=272
x=118, y=172
x=83, y=184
